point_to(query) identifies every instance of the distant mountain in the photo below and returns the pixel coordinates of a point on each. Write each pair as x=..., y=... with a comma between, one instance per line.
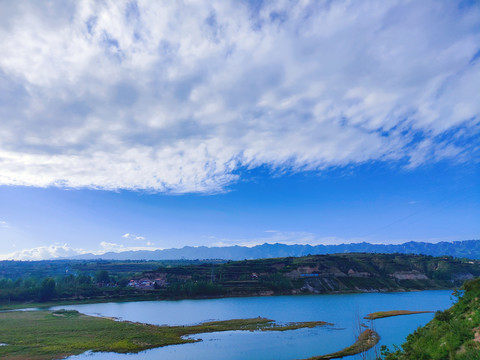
x=462, y=249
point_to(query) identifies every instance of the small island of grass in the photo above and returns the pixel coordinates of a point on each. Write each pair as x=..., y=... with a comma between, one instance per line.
x=384, y=314
x=41, y=335
x=367, y=339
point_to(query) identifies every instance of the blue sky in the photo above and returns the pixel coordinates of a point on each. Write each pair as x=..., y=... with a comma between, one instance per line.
x=144, y=125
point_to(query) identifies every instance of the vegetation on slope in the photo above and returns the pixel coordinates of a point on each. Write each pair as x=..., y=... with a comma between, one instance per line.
x=101, y=281
x=453, y=334
x=318, y=274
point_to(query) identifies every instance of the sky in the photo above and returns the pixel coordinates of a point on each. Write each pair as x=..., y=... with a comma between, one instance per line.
x=150, y=125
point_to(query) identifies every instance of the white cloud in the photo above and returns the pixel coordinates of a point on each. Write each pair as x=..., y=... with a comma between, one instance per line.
x=176, y=97
x=57, y=251
x=4, y=224
x=43, y=252
x=133, y=236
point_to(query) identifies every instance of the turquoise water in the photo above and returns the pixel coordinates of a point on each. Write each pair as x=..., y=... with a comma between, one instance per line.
x=341, y=310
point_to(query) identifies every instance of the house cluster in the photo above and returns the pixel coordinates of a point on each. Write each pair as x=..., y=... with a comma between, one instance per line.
x=147, y=284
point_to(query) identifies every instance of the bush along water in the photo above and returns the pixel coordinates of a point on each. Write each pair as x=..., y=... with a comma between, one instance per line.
x=453, y=334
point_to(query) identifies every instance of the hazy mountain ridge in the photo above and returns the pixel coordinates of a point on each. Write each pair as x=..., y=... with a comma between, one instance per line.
x=462, y=249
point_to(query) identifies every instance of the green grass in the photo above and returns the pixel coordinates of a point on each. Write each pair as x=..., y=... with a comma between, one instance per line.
x=384, y=314
x=42, y=335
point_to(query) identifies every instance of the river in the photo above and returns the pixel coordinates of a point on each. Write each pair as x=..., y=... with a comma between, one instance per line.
x=341, y=310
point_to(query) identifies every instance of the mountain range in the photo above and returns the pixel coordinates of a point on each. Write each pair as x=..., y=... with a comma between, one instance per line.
x=462, y=249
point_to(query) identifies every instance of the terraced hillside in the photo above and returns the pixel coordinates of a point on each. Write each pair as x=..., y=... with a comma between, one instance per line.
x=318, y=274
x=341, y=273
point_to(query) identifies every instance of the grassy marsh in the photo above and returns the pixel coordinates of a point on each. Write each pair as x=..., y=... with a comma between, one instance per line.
x=42, y=335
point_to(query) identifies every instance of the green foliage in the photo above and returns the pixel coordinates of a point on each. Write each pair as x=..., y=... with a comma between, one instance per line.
x=444, y=316
x=84, y=280
x=102, y=277
x=195, y=288
x=47, y=290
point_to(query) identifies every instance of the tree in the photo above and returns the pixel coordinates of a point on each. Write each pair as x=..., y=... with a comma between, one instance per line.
x=47, y=290
x=102, y=277
x=84, y=280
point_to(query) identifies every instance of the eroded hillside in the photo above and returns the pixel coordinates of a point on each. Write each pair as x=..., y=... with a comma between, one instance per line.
x=319, y=274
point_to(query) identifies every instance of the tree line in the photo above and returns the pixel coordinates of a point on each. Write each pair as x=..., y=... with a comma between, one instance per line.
x=48, y=288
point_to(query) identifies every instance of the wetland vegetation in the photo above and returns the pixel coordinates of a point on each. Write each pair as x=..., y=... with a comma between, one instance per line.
x=42, y=335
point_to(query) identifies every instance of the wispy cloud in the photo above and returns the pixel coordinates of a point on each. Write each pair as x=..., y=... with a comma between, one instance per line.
x=3, y=224
x=173, y=96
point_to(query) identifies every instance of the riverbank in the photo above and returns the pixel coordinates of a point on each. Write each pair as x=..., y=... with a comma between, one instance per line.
x=150, y=296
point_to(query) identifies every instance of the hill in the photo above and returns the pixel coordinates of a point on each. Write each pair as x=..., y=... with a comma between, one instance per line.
x=72, y=280
x=317, y=274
